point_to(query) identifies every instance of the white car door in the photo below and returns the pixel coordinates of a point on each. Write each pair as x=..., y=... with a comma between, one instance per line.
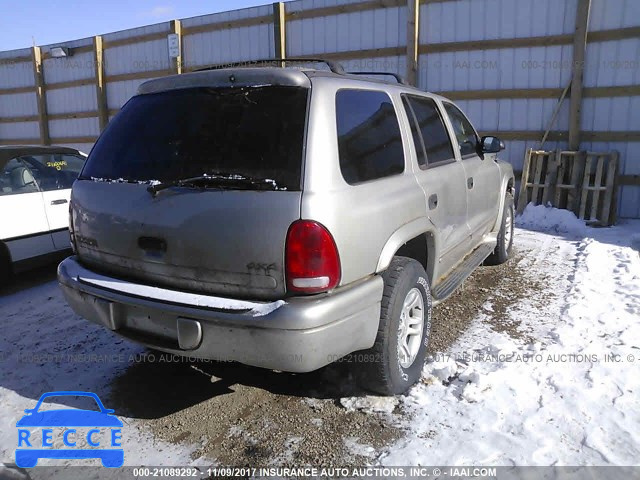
x=55, y=174
x=23, y=220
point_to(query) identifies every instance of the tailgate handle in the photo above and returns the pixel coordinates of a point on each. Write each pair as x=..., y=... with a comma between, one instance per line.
x=152, y=243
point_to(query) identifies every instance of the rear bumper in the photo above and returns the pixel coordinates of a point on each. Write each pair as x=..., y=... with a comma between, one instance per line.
x=300, y=334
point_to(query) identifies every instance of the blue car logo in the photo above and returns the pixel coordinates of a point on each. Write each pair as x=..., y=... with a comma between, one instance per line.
x=38, y=431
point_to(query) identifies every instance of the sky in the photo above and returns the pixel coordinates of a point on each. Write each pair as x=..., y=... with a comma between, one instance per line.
x=43, y=22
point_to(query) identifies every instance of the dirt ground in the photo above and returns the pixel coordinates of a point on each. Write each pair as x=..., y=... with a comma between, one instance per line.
x=243, y=416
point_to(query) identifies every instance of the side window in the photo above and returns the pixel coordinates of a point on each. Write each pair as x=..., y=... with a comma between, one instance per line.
x=369, y=140
x=54, y=171
x=16, y=178
x=466, y=135
x=429, y=132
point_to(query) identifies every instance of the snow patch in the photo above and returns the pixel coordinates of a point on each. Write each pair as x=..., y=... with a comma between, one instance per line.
x=443, y=369
x=541, y=218
x=317, y=422
x=354, y=447
x=559, y=399
x=370, y=404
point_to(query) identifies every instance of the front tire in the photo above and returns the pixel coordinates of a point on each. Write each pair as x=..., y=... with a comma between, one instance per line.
x=502, y=252
x=395, y=361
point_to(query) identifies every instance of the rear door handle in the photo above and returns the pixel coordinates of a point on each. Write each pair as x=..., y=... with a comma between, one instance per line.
x=62, y=201
x=470, y=183
x=433, y=201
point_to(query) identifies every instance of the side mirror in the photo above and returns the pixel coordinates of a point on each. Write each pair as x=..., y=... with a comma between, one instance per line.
x=492, y=145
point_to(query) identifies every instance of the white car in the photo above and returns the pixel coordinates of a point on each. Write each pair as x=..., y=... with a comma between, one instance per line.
x=35, y=188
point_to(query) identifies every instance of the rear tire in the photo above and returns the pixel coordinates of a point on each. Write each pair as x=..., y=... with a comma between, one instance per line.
x=395, y=361
x=502, y=251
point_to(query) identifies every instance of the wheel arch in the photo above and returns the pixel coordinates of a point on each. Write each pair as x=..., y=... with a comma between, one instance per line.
x=507, y=185
x=414, y=240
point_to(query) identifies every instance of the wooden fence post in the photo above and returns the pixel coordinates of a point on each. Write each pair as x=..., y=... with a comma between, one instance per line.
x=413, y=40
x=176, y=62
x=41, y=99
x=101, y=87
x=280, y=30
x=579, y=54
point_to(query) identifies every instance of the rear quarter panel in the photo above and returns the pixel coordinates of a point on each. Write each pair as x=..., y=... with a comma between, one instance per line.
x=364, y=217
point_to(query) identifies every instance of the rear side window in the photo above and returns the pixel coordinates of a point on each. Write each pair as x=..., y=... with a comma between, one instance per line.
x=369, y=140
x=429, y=133
x=255, y=132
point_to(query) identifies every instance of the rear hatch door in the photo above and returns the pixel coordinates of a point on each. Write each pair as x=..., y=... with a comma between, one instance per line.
x=195, y=189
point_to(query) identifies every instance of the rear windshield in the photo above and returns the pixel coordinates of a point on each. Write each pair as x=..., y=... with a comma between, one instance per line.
x=256, y=132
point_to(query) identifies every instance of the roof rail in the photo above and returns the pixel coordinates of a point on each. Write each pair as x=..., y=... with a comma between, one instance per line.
x=398, y=78
x=335, y=67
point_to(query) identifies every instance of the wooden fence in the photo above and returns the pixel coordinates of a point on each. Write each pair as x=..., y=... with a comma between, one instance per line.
x=280, y=30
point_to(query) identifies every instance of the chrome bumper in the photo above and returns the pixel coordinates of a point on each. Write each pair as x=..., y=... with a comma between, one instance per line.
x=299, y=334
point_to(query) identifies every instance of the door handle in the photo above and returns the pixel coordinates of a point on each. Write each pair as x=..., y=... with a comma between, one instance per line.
x=433, y=201
x=62, y=201
x=470, y=183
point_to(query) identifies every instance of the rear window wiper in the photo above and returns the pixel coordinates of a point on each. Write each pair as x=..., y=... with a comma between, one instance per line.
x=218, y=180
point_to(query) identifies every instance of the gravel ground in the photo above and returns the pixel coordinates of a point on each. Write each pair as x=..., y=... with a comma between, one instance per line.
x=242, y=416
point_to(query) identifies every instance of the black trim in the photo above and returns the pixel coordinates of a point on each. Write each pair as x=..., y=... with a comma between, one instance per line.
x=438, y=164
x=478, y=143
x=406, y=101
x=335, y=67
x=31, y=235
x=398, y=78
x=41, y=260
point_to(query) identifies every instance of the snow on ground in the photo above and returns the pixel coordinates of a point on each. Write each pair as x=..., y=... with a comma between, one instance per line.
x=370, y=404
x=563, y=392
x=568, y=397
x=43, y=350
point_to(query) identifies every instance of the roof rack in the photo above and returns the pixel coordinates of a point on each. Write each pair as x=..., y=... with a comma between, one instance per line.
x=335, y=67
x=399, y=78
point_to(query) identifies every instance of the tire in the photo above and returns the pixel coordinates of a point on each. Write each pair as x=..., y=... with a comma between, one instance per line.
x=386, y=368
x=505, y=236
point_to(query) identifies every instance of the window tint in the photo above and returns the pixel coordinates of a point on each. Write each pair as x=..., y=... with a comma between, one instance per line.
x=369, y=140
x=256, y=132
x=16, y=178
x=54, y=171
x=464, y=131
x=429, y=133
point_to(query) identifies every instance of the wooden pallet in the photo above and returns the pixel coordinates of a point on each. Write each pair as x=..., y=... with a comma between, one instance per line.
x=582, y=182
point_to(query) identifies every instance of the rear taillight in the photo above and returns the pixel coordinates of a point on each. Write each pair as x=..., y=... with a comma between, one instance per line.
x=72, y=235
x=312, y=263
